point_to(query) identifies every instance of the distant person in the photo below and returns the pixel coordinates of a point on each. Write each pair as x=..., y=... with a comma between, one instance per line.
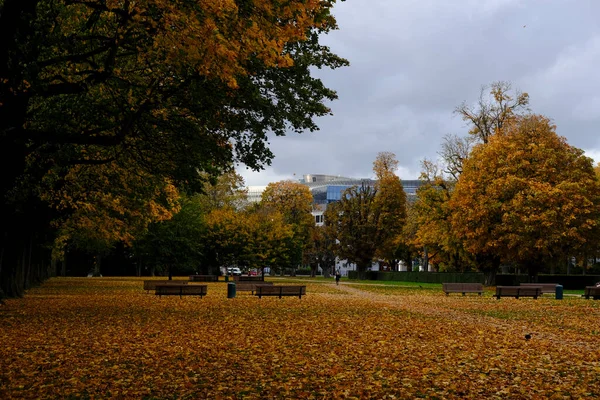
x=338, y=275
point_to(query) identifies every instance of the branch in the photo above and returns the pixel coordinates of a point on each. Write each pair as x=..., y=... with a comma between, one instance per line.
x=62, y=138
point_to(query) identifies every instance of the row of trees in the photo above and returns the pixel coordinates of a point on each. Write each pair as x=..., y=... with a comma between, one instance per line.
x=512, y=192
x=112, y=111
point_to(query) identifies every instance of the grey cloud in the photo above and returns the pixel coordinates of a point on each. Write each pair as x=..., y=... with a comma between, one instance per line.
x=413, y=62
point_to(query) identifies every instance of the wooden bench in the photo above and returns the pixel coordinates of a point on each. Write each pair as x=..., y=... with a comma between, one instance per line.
x=280, y=290
x=204, y=278
x=462, y=288
x=546, y=287
x=518, y=291
x=181, y=290
x=256, y=278
x=250, y=286
x=592, y=291
x=151, y=285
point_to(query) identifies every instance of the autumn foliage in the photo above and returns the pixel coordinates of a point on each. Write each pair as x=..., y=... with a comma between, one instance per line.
x=107, y=338
x=527, y=196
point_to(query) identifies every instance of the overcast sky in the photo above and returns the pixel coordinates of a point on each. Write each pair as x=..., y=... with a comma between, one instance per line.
x=414, y=61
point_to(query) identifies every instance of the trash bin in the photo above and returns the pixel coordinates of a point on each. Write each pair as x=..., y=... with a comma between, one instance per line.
x=231, y=290
x=559, y=292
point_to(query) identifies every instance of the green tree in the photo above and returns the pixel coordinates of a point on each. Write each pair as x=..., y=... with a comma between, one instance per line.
x=527, y=197
x=322, y=249
x=175, y=244
x=356, y=220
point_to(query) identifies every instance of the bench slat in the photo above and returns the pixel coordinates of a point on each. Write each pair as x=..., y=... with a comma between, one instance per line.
x=546, y=287
x=181, y=290
x=280, y=290
x=243, y=286
x=518, y=291
x=456, y=287
x=151, y=284
x=204, y=278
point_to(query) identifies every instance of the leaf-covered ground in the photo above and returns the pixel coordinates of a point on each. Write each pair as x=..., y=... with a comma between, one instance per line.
x=107, y=338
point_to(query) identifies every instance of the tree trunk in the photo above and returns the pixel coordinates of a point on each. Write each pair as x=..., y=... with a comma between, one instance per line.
x=313, y=269
x=97, y=265
x=490, y=277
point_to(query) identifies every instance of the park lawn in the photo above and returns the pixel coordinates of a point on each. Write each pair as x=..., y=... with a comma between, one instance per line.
x=107, y=338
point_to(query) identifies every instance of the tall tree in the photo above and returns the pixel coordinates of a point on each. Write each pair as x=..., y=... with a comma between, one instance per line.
x=527, y=197
x=271, y=240
x=391, y=202
x=357, y=225
x=294, y=201
x=161, y=88
x=432, y=221
x=322, y=249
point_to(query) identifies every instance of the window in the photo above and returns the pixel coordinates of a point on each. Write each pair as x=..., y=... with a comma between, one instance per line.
x=319, y=219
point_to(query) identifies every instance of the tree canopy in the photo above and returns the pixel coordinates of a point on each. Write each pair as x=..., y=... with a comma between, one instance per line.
x=156, y=89
x=527, y=196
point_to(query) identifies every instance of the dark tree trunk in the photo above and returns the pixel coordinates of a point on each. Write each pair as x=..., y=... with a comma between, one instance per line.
x=313, y=269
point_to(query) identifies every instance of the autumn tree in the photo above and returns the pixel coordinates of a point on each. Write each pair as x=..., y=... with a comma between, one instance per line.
x=226, y=237
x=408, y=248
x=433, y=232
x=294, y=201
x=527, y=197
x=165, y=89
x=270, y=240
x=226, y=191
x=391, y=203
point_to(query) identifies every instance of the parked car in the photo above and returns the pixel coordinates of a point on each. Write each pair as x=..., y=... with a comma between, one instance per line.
x=234, y=271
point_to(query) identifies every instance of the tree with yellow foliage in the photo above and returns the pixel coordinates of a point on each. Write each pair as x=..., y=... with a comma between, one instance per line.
x=391, y=201
x=294, y=201
x=433, y=232
x=527, y=197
